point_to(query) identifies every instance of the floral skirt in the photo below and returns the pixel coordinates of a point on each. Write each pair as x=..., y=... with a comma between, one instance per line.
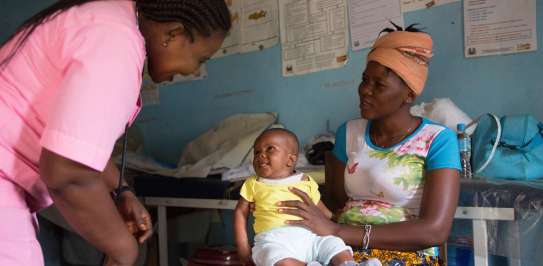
x=396, y=258
x=362, y=212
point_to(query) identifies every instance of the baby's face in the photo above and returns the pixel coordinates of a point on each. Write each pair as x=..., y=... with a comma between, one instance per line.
x=272, y=156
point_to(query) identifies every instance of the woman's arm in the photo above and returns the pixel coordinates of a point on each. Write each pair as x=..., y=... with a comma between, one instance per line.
x=82, y=196
x=136, y=217
x=111, y=176
x=439, y=202
x=334, y=182
x=240, y=230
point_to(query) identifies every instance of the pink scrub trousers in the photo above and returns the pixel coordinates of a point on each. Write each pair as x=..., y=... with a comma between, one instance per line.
x=18, y=228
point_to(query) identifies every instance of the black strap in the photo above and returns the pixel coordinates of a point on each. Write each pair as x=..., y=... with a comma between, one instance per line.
x=120, y=188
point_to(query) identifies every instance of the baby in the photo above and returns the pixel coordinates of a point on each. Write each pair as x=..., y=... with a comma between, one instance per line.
x=276, y=243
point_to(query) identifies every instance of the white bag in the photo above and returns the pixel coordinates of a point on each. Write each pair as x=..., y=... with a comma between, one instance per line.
x=444, y=111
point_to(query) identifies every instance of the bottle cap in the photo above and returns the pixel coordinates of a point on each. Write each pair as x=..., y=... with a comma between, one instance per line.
x=461, y=127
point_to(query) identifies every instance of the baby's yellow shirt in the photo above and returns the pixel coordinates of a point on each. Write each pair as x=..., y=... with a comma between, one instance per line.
x=265, y=196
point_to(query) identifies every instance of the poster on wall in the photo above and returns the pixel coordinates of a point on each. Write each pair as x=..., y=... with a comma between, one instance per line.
x=230, y=44
x=314, y=35
x=255, y=26
x=368, y=17
x=494, y=27
x=412, y=5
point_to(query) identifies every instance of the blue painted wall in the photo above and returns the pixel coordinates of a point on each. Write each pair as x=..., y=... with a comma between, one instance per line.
x=252, y=82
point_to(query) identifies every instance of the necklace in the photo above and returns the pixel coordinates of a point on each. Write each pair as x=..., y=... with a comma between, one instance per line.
x=395, y=139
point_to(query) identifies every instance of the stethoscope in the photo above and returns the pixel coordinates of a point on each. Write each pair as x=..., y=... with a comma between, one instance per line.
x=123, y=164
x=117, y=196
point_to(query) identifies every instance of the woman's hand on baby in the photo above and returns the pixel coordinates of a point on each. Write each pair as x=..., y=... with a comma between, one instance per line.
x=136, y=217
x=312, y=217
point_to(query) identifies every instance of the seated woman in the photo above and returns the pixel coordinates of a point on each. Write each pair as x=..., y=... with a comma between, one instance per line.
x=395, y=174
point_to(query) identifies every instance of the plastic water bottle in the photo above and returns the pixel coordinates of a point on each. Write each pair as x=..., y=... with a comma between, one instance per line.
x=464, y=145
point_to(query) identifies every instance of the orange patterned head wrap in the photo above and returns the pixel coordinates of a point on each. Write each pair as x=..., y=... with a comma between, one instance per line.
x=407, y=54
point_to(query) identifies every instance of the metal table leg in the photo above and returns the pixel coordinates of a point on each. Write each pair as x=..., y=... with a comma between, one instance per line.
x=162, y=236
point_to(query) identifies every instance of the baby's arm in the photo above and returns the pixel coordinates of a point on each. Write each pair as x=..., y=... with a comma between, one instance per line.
x=324, y=210
x=240, y=229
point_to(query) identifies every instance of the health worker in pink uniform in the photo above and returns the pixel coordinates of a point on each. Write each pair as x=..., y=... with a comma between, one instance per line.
x=69, y=84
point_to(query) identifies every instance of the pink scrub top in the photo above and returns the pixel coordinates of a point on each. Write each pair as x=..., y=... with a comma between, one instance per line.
x=71, y=89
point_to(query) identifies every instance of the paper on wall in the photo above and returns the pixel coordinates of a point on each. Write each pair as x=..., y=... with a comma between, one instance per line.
x=314, y=35
x=499, y=27
x=255, y=26
x=230, y=43
x=412, y=5
x=259, y=25
x=368, y=17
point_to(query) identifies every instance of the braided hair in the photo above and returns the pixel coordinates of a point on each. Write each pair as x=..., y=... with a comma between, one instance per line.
x=202, y=16
x=197, y=16
x=411, y=28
